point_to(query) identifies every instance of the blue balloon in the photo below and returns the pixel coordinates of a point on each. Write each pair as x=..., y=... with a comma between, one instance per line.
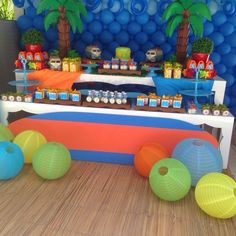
x=229, y=7
x=233, y=90
x=139, y=56
x=223, y=48
x=106, y=55
x=232, y=20
x=226, y=100
x=24, y=22
x=229, y=59
x=229, y=78
x=215, y=57
x=208, y=28
x=122, y=38
x=142, y=19
x=39, y=22
x=106, y=16
x=112, y=47
x=158, y=38
x=233, y=110
x=80, y=47
x=46, y=46
x=219, y=18
x=158, y=20
x=150, y=27
x=134, y=47
x=227, y=29
x=51, y=34
x=123, y=17
x=217, y=38
x=231, y=39
x=172, y=40
x=134, y=28
x=89, y=17
x=138, y=7
x=147, y=46
x=232, y=102
x=95, y=27
x=220, y=69
x=106, y=37
x=141, y=38
x=166, y=47
x=19, y=3
x=31, y=12
x=114, y=27
x=87, y=37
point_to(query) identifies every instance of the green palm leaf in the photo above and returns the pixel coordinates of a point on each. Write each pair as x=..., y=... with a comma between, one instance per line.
x=79, y=24
x=173, y=24
x=186, y=3
x=196, y=25
x=173, y=9
x=71, y=17
x=47, y=5
x=200, y=9
x=76, y=7
x=51, y=18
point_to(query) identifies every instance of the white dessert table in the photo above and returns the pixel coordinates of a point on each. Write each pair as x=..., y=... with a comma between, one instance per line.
x=224, y=123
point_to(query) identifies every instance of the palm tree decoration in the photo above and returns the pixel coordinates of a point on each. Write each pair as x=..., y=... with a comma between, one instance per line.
x=185, y=14
x=65, y=14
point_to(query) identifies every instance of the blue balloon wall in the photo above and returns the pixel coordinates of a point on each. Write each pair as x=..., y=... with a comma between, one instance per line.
x=138, y=25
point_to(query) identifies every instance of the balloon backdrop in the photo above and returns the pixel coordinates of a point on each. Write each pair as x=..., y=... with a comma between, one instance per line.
x=138, y=24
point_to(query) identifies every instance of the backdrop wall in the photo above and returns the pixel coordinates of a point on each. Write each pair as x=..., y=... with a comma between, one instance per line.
x=138, y=25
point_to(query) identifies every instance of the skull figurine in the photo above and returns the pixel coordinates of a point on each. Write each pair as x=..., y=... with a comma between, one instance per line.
x=93, y=52
x=55, y=63
x=154, y=55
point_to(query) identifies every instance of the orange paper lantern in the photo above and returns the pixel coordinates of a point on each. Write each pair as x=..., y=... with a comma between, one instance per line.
x=147, y=156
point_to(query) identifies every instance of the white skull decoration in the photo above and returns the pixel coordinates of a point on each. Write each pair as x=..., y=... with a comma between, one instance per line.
x=55, y=63
x=154, y=55
x=93, y=52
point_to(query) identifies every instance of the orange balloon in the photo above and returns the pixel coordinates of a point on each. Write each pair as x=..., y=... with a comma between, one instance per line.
x=147, y=156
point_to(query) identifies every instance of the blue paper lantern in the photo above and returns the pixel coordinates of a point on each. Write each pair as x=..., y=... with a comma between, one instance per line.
x=134, y=28
x=106, y=16
x=122, y=38
x=199, y=156
x=123, y=17
x=106, y=37
x=227, y=29
x=24, y=22
x=150, y=27
x=158, y=38
x=142, y=19
x=141, y=38
x=11, y=160
x=114, y=27
x=219, y=18
x=95, y=27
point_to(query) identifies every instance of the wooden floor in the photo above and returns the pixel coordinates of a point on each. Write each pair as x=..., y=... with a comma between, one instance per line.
x=99, y=200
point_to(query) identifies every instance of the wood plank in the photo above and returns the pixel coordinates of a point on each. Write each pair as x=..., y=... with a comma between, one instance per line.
x=99, y=199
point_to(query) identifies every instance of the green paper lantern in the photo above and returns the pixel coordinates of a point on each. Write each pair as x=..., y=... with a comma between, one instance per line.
x=5, y=133
x=169, y=179
x=215, y=194
x=51, y=161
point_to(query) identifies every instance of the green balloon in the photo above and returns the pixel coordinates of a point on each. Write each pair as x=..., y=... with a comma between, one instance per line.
x=51, y=160
x=169, y=179
x=5, y=133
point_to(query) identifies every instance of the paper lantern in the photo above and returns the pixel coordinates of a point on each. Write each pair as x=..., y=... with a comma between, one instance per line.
x=215, y=194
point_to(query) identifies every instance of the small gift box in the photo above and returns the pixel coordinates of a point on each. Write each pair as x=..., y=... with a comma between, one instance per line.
x=206, y=109
x=133, y=65
x=124, y=65
x=107, y=65
x=74, y=65
x=28, y=98
x=153, y=100
x=63, y=95
x=52, y=95
x=165, y=101
x=177, y=71
x=39, y=94
x=168, y=70
x=66, y=64
x=75, y=96
x=177, y=101
x=140, y=101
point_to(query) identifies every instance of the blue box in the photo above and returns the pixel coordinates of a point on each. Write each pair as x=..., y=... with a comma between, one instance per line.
x=63, y=96
x=153, y=102
x=52, y=96
x=165, y=103
x=177, y=104
x=39, y=94
x=75, y=97
x=140, y=102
